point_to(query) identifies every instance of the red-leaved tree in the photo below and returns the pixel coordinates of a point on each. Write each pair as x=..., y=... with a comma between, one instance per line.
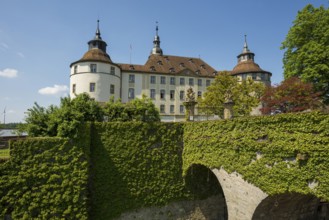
x=292, y=95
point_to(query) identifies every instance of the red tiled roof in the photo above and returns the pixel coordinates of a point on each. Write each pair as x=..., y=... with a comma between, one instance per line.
x=174, y=65
x=95, y=54
x=247, y=67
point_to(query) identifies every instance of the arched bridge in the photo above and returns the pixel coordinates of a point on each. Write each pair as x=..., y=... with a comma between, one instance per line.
x=266, y=167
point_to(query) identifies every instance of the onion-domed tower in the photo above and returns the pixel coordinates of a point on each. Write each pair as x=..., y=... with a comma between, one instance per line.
x=247, y=68
x=95, y=73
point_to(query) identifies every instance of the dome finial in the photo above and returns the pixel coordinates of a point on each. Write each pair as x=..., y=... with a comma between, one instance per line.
x=98, y=32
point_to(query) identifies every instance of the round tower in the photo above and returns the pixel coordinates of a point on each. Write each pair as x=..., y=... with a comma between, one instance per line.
x=95, y=73
x=247, y=68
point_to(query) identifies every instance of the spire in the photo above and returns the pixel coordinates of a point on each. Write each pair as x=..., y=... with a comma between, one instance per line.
x=245, y=46
x=98, y=32
x=97, y=42
x=246, y=54
x=156, y=42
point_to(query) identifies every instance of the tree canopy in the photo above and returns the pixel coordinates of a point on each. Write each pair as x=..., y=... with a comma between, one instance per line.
x=307, y=49
x=245, y=95
x=64, y=121
x=292, y=95
x=136, y=110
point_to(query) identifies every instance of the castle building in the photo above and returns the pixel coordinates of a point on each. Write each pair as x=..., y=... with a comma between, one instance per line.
x=163, y=78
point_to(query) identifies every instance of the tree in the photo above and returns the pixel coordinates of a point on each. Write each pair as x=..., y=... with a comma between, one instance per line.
x=245, y=95
x=136, y=110
x=292, y=95
x=62, y=121
x=307, y=49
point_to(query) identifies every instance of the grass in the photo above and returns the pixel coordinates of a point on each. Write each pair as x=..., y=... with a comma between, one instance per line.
x=4, y=153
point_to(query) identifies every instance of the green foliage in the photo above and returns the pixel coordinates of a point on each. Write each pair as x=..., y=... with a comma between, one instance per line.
x=135, y=165
x=4, y=154
x=63, y=121
x=292, y=95
x=245, y=95
x=45, y=178
x=278, y=154
x=306, y=48
x=136, y=110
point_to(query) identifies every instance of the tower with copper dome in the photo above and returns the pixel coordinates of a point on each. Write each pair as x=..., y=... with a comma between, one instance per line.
x=247, y=68
x=95, y=73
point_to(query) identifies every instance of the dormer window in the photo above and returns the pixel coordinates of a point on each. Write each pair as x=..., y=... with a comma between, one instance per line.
x=172, y=70
x=152, y=68
x=202, y=66
x=182, y=65
x=160, y=63
x=131, y=67
x=197, y=72
x=214, y=73
x=190, y=60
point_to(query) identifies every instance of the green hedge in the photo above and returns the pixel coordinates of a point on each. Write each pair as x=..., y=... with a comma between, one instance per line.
x=45, y=178
x=282, y=153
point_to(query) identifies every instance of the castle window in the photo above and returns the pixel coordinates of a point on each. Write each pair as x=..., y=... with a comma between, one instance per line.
x=162, y=94
x=181, y=108
x=131, y=78
x=199, y=94
x=208, y=82
x=163, y=80
x=112, y=70
x=181, y=81
x=172, y=94
x=131, y=93
x=181, y=95
x=254, y=76
x=172, y=108
x=199, y=82
x=191, y=81
x=162, y=108
x=93, y=68
x=75, y=69
x=112, y=89
x=152, y=80
x=74, y=88
x=152, y=93
x=172, y=80
x=92, y=87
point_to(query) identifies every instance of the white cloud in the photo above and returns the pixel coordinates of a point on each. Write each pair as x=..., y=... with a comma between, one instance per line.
x=55, y=90
x=21, y=54
x=8, y=73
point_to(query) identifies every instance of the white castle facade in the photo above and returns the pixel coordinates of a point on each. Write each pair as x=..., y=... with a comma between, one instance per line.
x=163, y=78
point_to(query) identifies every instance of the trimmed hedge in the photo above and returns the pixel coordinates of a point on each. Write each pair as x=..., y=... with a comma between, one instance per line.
x=278, y=154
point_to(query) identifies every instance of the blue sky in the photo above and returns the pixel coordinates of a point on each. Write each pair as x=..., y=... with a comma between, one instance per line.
x=39, y=39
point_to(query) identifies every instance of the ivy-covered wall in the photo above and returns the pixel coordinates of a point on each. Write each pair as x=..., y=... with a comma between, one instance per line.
x=278, y=154
x=45, y=178
x=117, y=167
x=135, y=165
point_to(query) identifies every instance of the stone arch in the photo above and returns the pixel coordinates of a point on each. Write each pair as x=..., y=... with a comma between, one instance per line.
x=203, y=184
x=290, y=206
